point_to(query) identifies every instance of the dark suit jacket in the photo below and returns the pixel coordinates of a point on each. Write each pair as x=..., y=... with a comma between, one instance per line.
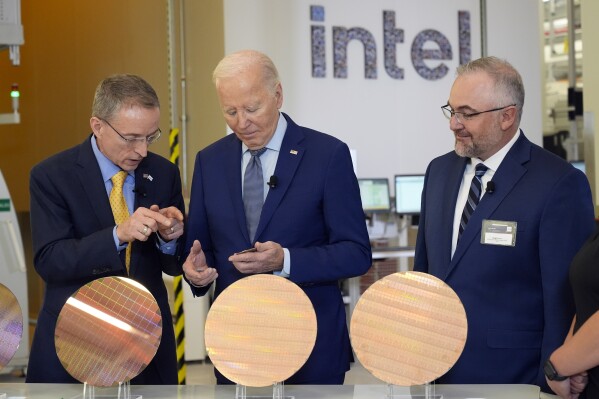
x=72, y=223
x=517, y=299
x=315, y=211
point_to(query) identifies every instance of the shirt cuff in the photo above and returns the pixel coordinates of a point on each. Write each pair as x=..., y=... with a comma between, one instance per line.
x=117, y=242
x=167, y=248
x=286, y=272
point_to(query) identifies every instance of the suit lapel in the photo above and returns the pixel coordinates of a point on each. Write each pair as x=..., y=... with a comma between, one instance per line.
x=290, y=156
x=91, y=180
x=144, y=186
x=450, y=187
x=144, y=197
x=510, y=171
x=233, y=180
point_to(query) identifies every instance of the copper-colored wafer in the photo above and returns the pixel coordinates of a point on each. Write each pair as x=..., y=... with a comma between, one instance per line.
x=108, y=331
x=408, y=328
x=11, y=325
x=260, y=330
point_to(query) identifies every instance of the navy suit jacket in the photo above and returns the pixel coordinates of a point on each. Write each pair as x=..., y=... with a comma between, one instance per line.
x=517, y=299
x=315, y=211
x=72, y=224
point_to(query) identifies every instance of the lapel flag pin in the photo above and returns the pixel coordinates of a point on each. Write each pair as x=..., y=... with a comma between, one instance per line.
x=294, y=152
x=148, y=176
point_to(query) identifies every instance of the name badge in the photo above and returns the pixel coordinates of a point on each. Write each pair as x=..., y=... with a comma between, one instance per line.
x=498, y=232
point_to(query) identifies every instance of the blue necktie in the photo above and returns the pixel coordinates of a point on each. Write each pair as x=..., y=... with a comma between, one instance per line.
x=473, y=196
x=253, y=191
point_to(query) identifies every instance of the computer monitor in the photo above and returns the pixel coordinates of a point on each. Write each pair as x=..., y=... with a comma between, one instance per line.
x=408, y=192
x=375, y=195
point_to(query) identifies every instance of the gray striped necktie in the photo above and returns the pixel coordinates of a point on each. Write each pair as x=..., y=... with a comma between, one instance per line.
x=473, y=196
x=253, y=191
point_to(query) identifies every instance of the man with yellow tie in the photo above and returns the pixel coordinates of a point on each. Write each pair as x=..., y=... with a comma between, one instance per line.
x=107, y=207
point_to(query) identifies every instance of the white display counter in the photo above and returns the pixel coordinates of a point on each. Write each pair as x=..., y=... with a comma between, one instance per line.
x=47, y=391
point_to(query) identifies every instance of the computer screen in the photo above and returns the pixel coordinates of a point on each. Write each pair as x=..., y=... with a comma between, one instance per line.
x=579, y=165
x=375, y=195
x=408, y=192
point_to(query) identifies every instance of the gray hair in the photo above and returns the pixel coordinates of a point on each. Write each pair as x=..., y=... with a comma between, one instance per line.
x=118, y=91
x=240, y=61
x=508, y=82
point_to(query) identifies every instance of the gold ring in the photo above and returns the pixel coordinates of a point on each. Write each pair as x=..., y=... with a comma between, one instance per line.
x=172, y=230
x=145, y=230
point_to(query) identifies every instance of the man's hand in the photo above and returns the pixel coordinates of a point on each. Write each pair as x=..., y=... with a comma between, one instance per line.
x=578, y=382
x=173, y=229
x=269, y=257
x=141, y=224
x=569, y=388
x=195, y=268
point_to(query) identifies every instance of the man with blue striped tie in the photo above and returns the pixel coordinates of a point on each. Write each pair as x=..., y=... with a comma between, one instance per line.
x=519, y=225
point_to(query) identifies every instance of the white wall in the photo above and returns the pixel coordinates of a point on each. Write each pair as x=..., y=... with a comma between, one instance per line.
x=395, y=125
x=514, y=32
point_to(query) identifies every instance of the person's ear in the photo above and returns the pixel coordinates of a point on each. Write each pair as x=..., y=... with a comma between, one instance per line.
x=508, y=117
x=95, y=123
x=279, y=95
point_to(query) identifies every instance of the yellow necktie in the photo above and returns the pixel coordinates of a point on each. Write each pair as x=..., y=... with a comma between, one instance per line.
x=119, y=207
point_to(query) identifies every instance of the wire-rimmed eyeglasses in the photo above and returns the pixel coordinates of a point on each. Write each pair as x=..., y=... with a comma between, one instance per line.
x=151, y=139
x=466, y=116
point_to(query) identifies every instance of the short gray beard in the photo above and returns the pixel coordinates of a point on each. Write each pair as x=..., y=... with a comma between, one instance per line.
x=466, y=151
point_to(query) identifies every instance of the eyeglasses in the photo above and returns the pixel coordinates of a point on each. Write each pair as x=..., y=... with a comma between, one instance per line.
x=463, y=116
x=151, y=139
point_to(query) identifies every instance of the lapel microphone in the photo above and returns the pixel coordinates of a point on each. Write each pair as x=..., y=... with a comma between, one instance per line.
x=141, y=191
x=272, y=183
x=490, y=187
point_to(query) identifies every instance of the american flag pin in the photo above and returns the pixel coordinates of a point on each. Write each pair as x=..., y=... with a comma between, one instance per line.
x=293, y=152
x=148, y=176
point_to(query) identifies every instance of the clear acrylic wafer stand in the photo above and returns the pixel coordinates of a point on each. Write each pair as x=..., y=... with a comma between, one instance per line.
x=278, y=392
x=428, y=392
x=123, y=391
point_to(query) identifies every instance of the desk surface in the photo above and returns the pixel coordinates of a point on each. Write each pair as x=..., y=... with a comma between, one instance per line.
x=393, y=249
x=392, y=252
x=71, y=391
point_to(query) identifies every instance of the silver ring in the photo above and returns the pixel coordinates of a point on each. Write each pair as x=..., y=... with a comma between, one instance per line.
x=172, y=230
x=145, y=230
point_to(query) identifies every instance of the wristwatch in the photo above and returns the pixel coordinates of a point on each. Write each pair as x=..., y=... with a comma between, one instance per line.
x=551, y=373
